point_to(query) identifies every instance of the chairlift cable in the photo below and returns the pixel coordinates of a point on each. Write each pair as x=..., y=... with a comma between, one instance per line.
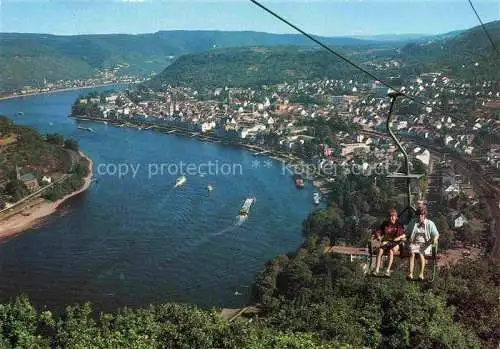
x=484, y=29
x=347, y=60
x=322, y=44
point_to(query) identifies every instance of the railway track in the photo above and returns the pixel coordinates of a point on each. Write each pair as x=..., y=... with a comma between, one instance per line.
x=434, y=185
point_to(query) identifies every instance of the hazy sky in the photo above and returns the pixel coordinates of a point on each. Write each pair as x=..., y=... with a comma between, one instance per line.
x=328, y=18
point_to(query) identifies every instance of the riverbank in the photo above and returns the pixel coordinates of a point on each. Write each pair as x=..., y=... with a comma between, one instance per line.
x=198, y=226
x=13, y=96
x=169, y=129
x=294, y=162
x=40, y=208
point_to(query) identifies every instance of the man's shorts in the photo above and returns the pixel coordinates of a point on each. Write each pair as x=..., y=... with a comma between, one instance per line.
x=390, y=245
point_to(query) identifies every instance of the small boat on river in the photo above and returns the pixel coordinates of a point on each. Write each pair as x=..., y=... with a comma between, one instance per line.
x=245, y=209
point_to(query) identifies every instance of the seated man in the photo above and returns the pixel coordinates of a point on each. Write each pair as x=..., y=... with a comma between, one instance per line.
x=423, y=234
x=391, y=233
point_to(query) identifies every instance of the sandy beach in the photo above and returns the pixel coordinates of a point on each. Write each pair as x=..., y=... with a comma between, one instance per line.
x=40, y=208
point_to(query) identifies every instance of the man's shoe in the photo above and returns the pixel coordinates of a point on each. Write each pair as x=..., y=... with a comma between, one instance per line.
x=387, y=273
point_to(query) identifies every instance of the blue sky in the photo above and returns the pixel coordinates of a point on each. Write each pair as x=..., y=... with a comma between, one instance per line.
x=328, y=18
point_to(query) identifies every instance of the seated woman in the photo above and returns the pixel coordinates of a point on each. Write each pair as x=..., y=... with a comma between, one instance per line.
x=423, y=234
x=391, y=233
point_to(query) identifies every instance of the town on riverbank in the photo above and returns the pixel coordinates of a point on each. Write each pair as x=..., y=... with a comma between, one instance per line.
x=332, y=127
x=339, y=130
x=106, y=78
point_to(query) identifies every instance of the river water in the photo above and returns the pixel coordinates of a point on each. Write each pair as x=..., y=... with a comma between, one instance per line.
x=132, y=239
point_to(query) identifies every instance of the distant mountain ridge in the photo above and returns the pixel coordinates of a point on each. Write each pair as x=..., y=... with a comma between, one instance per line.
x=467, y=54
x=453, y=53
x=29, y=59
x=409, y=36
x=394, y=37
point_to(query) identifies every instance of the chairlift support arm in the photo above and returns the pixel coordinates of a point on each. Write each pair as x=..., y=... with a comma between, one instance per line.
x=394, y=95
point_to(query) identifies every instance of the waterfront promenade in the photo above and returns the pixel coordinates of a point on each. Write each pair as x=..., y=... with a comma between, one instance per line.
x=287, y=159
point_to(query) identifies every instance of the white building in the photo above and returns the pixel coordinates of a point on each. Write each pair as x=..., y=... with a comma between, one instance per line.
x=47, y=179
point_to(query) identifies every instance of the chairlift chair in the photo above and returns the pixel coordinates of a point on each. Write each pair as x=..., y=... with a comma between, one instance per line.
x=409, y=211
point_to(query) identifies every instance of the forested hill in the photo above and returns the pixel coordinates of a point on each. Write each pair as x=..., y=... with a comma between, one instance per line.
x=26, y=148
x=454, y=54
x=28, y=59
x=459, y=54
x=25, y=152
x=250, y=66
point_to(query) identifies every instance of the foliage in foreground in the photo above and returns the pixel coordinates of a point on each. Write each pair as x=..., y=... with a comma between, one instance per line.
x=309, y=300
x=163, y=326
x=311, y=292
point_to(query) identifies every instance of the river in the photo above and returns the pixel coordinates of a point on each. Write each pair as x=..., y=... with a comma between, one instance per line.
x=132, y=239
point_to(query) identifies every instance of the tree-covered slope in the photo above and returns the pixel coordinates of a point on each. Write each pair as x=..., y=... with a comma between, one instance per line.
x=28, y=59
x=242, y=67
x=459, y=54
x=310, y=292
x=309, y=301
x=456, y=53
x=26, y=148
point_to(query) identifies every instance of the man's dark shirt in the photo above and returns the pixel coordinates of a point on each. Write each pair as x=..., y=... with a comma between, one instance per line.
x=389, y=231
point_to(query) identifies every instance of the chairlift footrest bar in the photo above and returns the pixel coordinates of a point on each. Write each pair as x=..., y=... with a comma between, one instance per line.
x=405, y=176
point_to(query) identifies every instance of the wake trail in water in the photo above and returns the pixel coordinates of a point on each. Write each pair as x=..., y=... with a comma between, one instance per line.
x=237, y=223
x=170, y=191
x=240, y=220
x=167, y=194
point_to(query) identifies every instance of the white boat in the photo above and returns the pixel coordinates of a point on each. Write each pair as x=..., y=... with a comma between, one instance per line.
x=180, y=181
x=85, y=128
x=245, y=209
x=316, y=198
x=209, y=187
